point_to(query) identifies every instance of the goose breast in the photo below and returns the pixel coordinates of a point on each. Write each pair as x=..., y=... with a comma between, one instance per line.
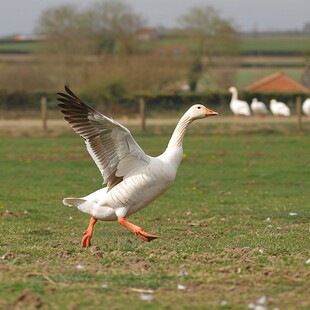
x=139, y=189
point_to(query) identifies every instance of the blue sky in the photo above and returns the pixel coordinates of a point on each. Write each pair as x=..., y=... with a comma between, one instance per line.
x=20, y=16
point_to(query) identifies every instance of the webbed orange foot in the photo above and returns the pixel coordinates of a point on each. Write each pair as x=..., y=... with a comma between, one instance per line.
x=137, y=230
x=144, y=235
x=88, y=233
x=86, y=241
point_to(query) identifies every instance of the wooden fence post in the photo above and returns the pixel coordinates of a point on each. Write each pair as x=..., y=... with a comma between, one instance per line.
x=298, y=111
x=142, y=113
x=44, y=113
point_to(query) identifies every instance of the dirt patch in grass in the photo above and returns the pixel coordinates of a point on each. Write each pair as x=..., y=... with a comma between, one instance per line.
x=8, y=213
x=28, y=301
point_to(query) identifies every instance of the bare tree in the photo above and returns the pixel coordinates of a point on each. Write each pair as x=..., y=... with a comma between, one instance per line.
x=213, y=36
x=97, y=48
x=63, y=28
x=116, y=21
x=66, y=42
x=74, y=37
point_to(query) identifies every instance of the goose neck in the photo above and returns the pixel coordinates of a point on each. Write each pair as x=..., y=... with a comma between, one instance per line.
x=177, y=137
x=234, y=94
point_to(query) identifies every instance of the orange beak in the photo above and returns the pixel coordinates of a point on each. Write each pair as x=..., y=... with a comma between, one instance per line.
x=210, y=112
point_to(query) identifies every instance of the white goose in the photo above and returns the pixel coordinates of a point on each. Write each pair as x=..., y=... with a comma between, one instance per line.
x=306, y=107
x=279, y=108
x=258, y=107
x=238, y=107
x=133, y=178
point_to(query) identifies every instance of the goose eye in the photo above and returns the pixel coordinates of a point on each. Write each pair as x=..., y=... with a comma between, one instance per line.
x=198, y=107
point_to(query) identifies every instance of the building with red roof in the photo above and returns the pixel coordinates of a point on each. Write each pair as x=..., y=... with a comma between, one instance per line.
x=279, y=82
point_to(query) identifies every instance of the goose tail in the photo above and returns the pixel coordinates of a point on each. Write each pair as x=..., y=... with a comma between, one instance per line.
x=70, y=201
x=82, y=204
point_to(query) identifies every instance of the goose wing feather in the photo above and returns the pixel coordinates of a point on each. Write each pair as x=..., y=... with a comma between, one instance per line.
x=110, y=144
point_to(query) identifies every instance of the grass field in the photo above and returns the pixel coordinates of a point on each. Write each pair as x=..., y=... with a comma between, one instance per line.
x=234, y=228
x=271, y=43
x=246, y=76
x=248, y=43
x=21, y=47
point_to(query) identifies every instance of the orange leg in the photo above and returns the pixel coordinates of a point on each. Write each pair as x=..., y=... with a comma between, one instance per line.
x=137, y=230
x=88, y=233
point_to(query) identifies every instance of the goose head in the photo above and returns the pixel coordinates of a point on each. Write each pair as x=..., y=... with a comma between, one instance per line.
x=273, y=101
x=234, y=93
x=199, y=111
x=232, y=89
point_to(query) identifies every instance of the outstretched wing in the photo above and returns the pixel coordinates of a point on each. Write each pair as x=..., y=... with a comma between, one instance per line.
x=110, y=144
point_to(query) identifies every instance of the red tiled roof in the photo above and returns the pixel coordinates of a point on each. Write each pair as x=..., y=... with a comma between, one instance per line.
x=278, y=81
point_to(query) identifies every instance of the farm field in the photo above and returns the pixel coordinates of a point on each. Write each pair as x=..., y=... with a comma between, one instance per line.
x=275, y=43
x=233, y=229
x=247, y=76
x=19, y=47
x=248, y=43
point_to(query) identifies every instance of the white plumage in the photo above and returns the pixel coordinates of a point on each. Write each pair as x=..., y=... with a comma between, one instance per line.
x=306, y=107
x=279, y=108
x=258, y=107
x=133, y=178
x=238, y=107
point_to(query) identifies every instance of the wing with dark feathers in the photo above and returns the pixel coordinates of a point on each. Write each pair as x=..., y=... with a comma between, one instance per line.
x=110, y=144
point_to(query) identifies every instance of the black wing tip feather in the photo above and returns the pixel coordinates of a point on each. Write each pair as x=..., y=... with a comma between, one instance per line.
x=69, y=94
x=66, y=98
x=71, y=103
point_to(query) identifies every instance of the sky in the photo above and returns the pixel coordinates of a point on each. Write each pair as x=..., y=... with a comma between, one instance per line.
x=21, y=16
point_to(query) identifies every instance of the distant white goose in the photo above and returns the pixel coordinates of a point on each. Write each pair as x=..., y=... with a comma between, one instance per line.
x=279, y=108
x=258, y=107
x=306, y=107
x=238, y=107
x=133, y=178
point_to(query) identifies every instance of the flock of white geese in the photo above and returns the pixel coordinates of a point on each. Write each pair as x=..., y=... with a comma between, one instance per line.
x=277, y=108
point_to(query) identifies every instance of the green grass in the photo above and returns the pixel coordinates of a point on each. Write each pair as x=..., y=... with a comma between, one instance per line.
x=25, y=47
x=263, y=43
x=225, y=227
x=267, y=43
x=275, y=43
x=246, y=76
